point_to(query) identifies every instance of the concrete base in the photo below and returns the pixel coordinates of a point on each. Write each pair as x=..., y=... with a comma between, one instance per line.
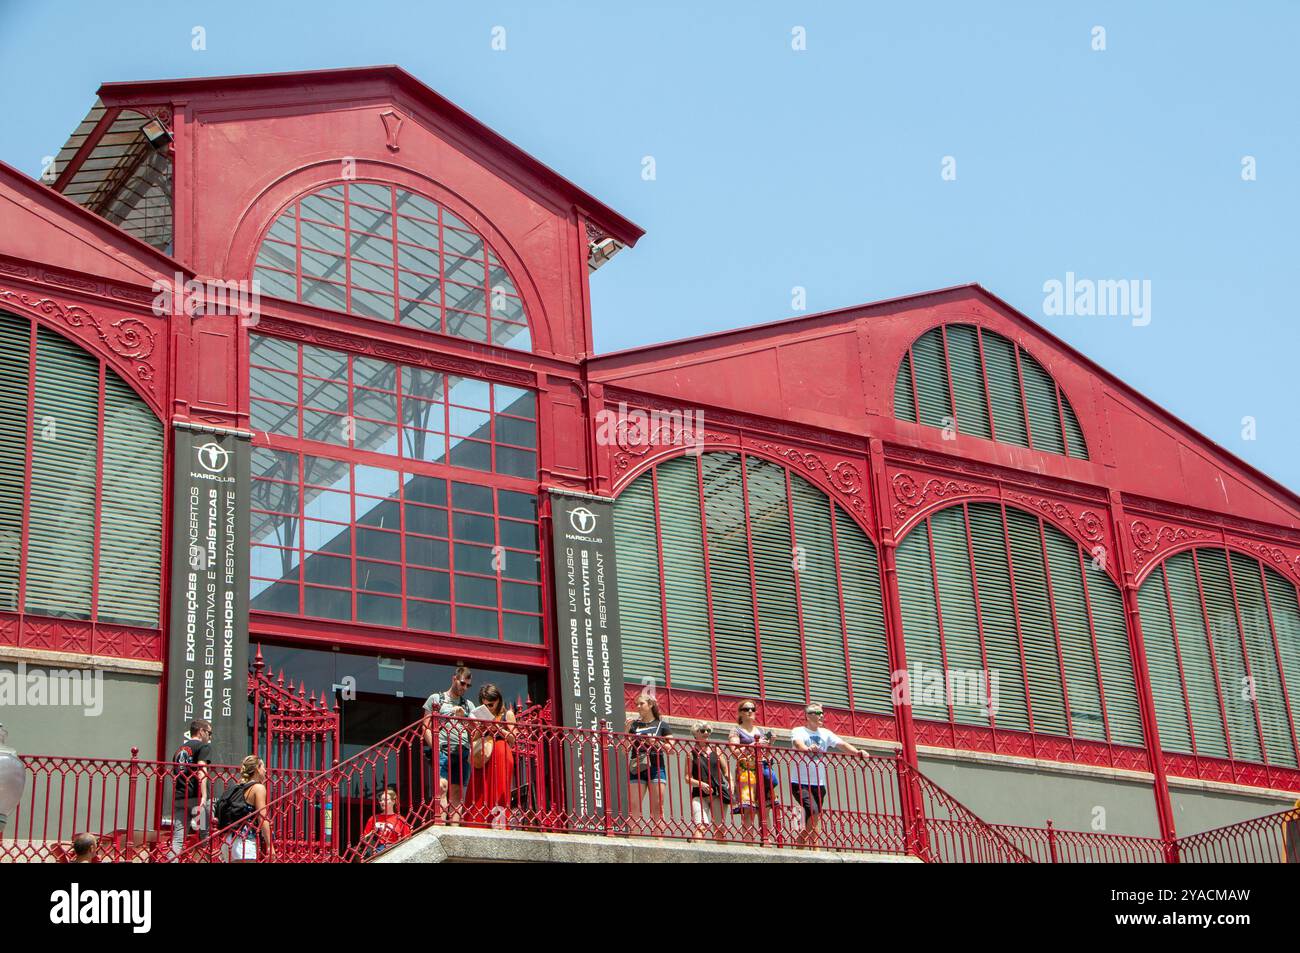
x=443, y=845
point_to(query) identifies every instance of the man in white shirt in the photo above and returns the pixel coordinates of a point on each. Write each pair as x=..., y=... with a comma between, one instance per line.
x=808, y=784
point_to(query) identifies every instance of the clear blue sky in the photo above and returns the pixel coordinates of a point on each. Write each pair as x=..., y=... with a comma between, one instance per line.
x=821, y=168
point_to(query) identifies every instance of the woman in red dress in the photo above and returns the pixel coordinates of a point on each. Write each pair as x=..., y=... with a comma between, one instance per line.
x=493, y=760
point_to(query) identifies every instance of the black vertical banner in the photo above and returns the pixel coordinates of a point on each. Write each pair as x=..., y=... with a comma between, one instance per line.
x=207, y=657
x=590, y=650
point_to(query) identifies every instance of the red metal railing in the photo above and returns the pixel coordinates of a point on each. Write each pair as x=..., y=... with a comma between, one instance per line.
x=1049, y=845
x=128, y=804
x=945, y=831
x=1274, y=839
x=602, y=782
x=564, y=780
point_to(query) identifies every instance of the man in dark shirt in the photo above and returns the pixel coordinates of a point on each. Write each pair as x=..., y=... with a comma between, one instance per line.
x=190, y=797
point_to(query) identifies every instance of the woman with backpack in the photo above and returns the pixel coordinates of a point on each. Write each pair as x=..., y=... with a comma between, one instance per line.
x=241, y=814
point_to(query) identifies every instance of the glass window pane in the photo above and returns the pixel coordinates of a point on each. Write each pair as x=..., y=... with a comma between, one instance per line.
x=426, y=520
x=471, y=454
x=474, y=558
x=379, y=610
x=326, y=536
x=520, y=463
x=329, y=603
x=325, y=237
x=468, y=496
x=381, y=514
x=424, y=445
x=523, y=628
x=470, y=423
x=274, y=464
x=522, y=566
x=476, y=622
x=328, y=570
x=522, y=597
x=322, y=209
x=521, y=433
x=328, y=505
x=468, y=392
x=377, y=544
x=273, y=418
x=422, y=489
x=379, y=577
x=372, y=305
x=426, y=552
x=272, y=352
x=473, y=529
x=375, y=481
x=428, y=585
x=515, y=401
x=273, y=597
x=428, y=616
x=518, y=535
x=318, y=362
x=517, y=505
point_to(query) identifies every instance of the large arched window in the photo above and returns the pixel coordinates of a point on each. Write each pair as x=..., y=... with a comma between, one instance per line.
x=383, y=252
x=1222, y=638
x=996, y=590
x=81, y=463
x=984, y=385
x=739, y=577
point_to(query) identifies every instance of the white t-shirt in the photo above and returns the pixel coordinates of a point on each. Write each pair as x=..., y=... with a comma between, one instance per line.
x=808, y=765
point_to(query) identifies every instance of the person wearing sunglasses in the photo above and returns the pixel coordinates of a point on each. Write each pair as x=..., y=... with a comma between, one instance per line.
x=190, y=789
x=453, y=745
x=808, y=783
x=745, y=801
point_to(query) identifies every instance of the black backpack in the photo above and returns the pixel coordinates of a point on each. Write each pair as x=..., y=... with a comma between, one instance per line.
x=232, y=807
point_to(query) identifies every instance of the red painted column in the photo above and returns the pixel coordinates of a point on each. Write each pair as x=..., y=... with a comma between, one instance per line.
x=910, y=801
x=1142, y=676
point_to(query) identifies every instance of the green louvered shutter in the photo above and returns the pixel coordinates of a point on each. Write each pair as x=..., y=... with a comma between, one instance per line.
x=690, y=657
x=1263, y=663
x=1284, y=607
x=1042, y=661
x=920, y=621
x=778, y=611
x=1004, y=390
x=130, y=526
x=65, y=452
x=1198, y=666
x=1040, y=400
x=904, y=408
x=1242, y=726
x=729, y=579
x=968, y=381
x=15, y=342
x=961, y=634
x=823, y=629
x=1072, y=622
x=1114, y=657
x=1001, y=640
x=1162, y=664
x=864, y=617
x=1078, y=446
x=931, y=372
x=639, y=610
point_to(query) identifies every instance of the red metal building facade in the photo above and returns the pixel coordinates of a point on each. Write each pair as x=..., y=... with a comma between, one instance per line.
x=817, y=396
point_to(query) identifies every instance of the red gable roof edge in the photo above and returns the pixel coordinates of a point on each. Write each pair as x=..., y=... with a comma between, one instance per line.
x=616, y=225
